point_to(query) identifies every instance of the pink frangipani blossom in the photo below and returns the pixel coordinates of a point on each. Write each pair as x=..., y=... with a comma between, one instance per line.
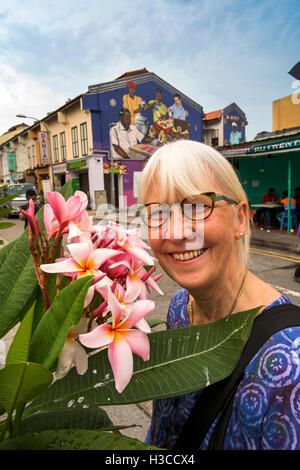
x=59, y=212
x=122, y=341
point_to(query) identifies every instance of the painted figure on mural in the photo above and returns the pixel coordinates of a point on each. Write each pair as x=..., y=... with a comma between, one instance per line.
x=177, y=110
x=123, y=135
x=132, y=102
x=159, y=108
x=235, y=135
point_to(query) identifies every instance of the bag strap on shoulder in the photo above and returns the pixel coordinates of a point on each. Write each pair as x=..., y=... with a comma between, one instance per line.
x=220, y=395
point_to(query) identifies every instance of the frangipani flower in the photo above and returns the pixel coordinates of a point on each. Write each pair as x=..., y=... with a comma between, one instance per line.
x=81, y=227
x=121, y=301
x=115, y=236
x=122, y=341
x=59, y=213
x=131, y=242
x=72, y=352
x=138, y=280
x=84, y=260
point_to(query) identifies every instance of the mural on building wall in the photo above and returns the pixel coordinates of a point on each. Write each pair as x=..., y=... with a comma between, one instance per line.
x=131, y=118
x=137, y=136
x=234, y=128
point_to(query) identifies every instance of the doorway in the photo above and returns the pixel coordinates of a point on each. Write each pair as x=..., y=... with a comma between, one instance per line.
x=107, y=187
x=84, y=182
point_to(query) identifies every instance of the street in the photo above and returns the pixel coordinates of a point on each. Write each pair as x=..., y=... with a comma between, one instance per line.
x=275, y=267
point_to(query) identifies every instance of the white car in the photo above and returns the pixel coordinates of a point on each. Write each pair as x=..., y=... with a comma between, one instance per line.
x=20, y=200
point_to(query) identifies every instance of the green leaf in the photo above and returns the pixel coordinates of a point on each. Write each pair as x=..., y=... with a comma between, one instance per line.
x=67, y=190
x=19, y=349
x=86, y=418
x=153, y=322
x=66, y=310
x=22, y=382
x=4, y=225
x=181, y=360
x=4, y=252
x=18, y=281
x=6, y=199
x=5, y=211
x=73, y=439
x=17, y=284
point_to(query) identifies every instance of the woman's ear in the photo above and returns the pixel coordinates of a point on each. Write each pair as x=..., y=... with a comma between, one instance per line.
x=242, y=215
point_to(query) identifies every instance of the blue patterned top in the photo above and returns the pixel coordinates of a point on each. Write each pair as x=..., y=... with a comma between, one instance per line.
x=266, y=408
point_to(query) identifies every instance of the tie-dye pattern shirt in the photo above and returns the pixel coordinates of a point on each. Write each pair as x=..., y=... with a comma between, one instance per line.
x=266, y=408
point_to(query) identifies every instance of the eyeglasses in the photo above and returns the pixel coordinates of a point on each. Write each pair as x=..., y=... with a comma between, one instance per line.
x=155, y=215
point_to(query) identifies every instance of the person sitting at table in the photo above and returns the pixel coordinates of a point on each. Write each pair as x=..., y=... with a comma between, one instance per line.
x=297, y=198
x=285, y=201
x=269, y=197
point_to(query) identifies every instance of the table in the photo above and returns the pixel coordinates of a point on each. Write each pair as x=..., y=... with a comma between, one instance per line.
x=269, y=206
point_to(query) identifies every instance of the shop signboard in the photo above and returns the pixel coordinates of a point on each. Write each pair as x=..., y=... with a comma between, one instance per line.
x=77, y=164
x=61, y=168
x=44, y=150
x=274, y=146
x=12, y=161
x=231, y=152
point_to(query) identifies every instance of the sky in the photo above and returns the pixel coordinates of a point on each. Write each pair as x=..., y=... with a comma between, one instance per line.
x=214, y=51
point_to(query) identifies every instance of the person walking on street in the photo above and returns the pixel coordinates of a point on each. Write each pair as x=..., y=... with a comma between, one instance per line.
x=30, y=194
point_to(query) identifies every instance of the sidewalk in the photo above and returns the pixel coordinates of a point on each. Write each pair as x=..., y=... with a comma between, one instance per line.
x=276, y=240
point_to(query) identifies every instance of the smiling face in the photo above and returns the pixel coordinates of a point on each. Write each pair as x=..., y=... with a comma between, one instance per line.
x=199, y=254
x=203, y=255
x=177, y=101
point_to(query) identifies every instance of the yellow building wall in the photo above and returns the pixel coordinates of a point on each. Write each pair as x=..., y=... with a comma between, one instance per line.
x=286, y=112
x=63, y=121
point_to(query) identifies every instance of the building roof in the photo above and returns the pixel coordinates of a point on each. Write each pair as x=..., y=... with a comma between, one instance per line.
x=213, y=115
x=134, y=72
x=140, y=76
x=12, y=132
x=280, y=133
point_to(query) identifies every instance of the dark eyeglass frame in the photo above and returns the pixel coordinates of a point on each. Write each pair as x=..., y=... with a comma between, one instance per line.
x=214, y=198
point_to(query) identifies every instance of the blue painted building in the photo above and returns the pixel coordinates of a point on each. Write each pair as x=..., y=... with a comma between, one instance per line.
x=225, y=126
x=152, y=124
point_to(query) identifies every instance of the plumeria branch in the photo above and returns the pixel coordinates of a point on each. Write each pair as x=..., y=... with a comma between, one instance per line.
x=116, y=303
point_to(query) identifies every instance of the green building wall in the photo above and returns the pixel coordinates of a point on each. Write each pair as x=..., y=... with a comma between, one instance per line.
x=259, y=174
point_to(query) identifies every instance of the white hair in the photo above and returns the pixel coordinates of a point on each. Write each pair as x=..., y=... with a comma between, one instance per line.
x=184, y=169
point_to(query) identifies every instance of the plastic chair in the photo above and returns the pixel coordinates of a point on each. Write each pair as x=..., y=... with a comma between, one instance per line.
x=293, y=219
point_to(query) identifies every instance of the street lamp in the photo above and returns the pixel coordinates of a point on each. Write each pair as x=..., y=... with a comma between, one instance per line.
x=50, y=153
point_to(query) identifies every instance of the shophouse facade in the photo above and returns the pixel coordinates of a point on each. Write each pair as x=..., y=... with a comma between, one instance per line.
x=13, y=162
x=270, y=161
x=225, y=126
x=79, y=138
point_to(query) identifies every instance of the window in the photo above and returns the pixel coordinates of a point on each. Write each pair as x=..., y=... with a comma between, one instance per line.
x=83, y=138
x=75, y=149
x=29, y=157
x=55, y=148
x=33, y=155
x=63, y=151
x=215, y=141
x=214, y=137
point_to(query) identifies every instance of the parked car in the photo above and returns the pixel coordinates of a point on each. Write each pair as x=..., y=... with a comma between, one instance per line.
x=20, y=200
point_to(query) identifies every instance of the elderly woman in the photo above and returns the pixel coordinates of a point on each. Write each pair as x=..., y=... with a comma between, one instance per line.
x=197, y=214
